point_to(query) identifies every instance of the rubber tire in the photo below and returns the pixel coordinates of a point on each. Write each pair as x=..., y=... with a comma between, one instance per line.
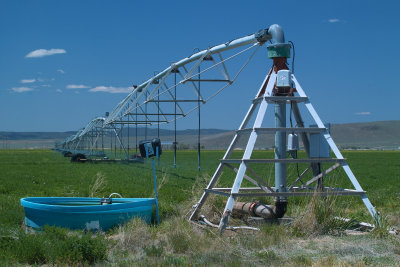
x=78, y=158
x=67, y=154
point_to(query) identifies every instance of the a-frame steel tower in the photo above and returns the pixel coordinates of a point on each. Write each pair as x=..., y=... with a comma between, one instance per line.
x=280, y=89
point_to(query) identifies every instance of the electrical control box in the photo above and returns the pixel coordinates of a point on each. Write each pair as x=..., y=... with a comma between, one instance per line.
x=284, y=79
x=319, y=147
x=293, y=142
x=150, y=148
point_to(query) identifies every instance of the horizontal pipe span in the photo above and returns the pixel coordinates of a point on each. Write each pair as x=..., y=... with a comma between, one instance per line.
x=274, y=32
x=261, y=210
x=254, y=209
x=216, y=49
x=251, y=39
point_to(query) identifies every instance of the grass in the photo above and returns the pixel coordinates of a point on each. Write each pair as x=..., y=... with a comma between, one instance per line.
x=315, y=238
x=55, y=246
x=321, y=216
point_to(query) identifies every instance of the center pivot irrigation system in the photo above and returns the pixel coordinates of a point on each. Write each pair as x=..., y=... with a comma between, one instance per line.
x=176, y=91
x=167, y=96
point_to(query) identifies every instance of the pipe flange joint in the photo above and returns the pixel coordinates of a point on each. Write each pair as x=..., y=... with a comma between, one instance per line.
x=251, y=209
x=279, y=50
x=262, y=36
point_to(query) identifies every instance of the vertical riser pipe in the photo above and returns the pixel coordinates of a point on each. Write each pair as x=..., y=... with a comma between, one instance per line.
x=280, y=149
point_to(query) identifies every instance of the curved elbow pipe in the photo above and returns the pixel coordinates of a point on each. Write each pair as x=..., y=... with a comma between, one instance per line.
x=276, y=33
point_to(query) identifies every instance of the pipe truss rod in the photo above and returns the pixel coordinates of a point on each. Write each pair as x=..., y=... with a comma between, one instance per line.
x=182, y=100
x=154, y=114
x=139, y=122
x=208, y=80
x=258, y=38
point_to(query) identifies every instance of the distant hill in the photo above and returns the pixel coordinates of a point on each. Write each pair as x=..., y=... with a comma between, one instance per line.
x=165, y=132
x=379, y=134
x=35, y=135
x=365, y=135
x=368, y=135
x=10, y=140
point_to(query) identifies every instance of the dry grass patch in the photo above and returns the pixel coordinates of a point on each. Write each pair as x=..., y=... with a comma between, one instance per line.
x=134, y=235
x=98, y=185
x=320, y=216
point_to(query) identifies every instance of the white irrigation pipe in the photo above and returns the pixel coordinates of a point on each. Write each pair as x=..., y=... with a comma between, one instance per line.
x=253, y=38
x=213, y=95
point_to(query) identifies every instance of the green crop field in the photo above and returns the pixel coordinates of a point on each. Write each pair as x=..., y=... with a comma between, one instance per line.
x=34, y=173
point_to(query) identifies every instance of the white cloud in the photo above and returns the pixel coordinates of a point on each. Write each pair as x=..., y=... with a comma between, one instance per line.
x=21, y=89
x=333, y=20
x=46, y=85
x=27, y=81
x=363, y=113
x=61, y=71
x=45, y=52
x=111, y=89
x=76, y=86
x=59, y=91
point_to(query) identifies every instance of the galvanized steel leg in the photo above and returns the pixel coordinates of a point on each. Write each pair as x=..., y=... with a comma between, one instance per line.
x=214, y=179
x=220, y=167
x=280, y=149
x=247, y=154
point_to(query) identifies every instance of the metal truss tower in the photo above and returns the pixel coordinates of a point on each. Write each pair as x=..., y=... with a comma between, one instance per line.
x=278, y=89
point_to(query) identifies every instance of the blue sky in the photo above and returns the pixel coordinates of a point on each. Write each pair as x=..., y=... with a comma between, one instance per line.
x=58, y=57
